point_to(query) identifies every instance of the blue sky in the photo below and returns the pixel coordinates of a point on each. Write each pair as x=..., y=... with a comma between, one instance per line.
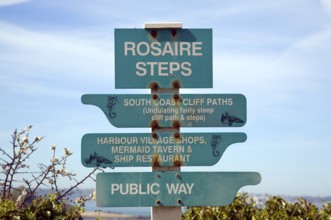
x=276, y=53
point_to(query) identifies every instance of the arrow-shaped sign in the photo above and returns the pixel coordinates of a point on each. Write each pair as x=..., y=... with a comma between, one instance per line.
x=157, y=149
x=171, y=110
x=171, y=188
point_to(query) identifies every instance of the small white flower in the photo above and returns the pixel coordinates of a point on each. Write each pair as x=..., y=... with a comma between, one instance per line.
x=24, y=192
x=62, y=172
x=28, y=128
x=81, y=200
x=94, y=196
x=51, y=181
x=55, y=160
x=22, y=197
x=53, y=147
x=7, y=167
x=23, y=150
x=66, y=152
x=25, y=140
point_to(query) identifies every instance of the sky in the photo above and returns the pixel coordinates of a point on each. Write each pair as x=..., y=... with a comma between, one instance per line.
x=276, y=53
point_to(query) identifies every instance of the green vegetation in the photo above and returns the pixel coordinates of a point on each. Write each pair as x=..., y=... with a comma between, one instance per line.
x=42, y=208
x=244, y=208
x=19, y=184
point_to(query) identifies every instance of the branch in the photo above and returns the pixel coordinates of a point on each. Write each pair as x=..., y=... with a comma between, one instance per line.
x=5, y=153
x=29, y=154
x=32, y=192
x=78, y=183
x=9, y=177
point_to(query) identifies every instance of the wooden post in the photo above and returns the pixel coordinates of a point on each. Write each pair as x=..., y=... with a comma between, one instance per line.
x=166, y=213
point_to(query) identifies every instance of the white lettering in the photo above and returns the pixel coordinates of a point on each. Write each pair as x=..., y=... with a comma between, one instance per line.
x=155, y=49
x=163, y=68
x=186, y=67
x=117, y=140
x=194, y=102
x=114, y=187
x=172, y=188
x=141, y=69
x=167, y=49
x=100, y=140
x=185, y=46
x=129, y=46
x=135, y=188
x=179, y=188
x=153, y=191
x=137, y=102
x=196, y=49
x=173, y=67
x=189, y=187
x=144, y=48
x=152, y=65
x=219, y=101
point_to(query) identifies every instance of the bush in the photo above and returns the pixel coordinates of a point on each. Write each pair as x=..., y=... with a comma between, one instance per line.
x=243, y=208
x=19, y=185
x=42, y=208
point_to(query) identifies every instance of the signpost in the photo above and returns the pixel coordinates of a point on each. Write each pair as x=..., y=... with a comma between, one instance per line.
x=143, y=56
x=165, y=58
x=163, y=110
x=160, y=148
x=171, y=188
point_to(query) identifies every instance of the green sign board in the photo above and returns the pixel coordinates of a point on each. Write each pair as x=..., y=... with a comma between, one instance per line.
x=163, y=56
x=171, y=110
x=157, y=149
x=171, y=188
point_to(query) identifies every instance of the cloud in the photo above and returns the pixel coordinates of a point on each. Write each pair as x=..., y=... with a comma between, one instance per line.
x=20, y=40
x=53, y=58
x=4, y=3
x=289, y=79
x=326, y=4
x=319, y=41
x=30, y=87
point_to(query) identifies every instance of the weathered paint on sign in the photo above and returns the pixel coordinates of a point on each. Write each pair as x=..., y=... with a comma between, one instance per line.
x=143, y=56
x=171, y=110
x=157, y=149
x=171, y=188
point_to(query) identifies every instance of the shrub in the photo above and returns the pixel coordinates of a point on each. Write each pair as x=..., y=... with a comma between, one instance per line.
x=19, y=185
x=275, y=208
